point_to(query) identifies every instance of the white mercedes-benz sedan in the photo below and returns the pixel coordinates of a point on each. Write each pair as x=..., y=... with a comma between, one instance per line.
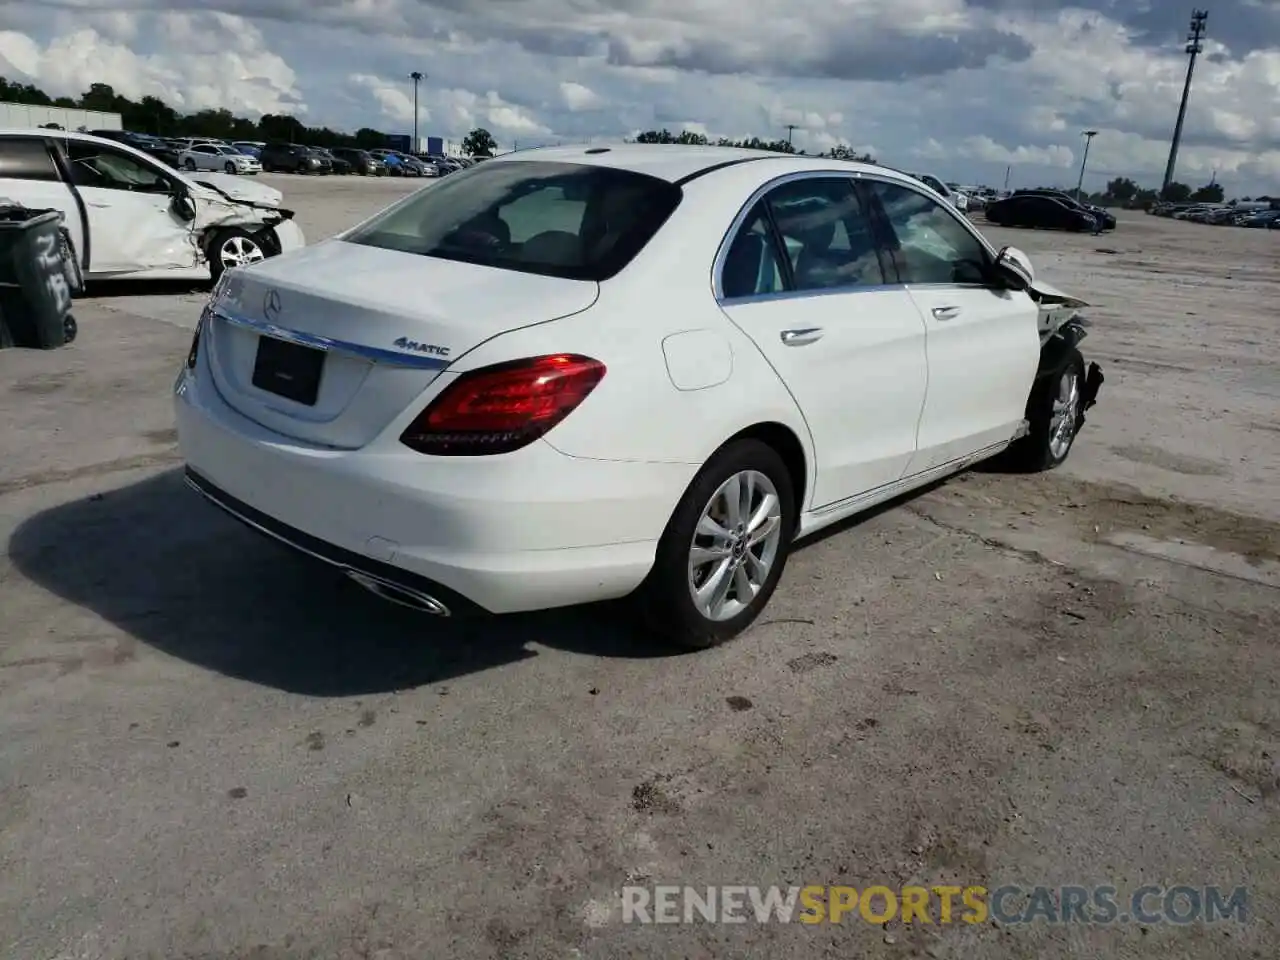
x=570, y=375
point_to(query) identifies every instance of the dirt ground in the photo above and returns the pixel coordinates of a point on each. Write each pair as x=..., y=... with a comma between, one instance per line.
x=209, y=748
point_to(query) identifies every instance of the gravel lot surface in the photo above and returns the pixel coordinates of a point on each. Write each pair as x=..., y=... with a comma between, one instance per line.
x=211, y=748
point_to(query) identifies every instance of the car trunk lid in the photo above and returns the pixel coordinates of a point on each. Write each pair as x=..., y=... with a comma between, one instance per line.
x=329, y=344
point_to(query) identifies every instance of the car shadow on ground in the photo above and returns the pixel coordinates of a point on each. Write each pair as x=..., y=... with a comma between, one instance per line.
x=156, y=561
x=107, y=289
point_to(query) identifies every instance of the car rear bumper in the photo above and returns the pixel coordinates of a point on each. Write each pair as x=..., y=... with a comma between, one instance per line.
x=524, y=531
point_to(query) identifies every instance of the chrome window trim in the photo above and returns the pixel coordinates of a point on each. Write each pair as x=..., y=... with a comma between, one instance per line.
x=722, y=252
x=394, y=358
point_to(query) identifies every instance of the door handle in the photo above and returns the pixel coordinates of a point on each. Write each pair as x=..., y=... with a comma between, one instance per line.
x=798, y=338
x=945, y=313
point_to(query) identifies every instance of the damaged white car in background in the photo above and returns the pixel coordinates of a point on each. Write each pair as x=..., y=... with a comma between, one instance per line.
x=132, y=217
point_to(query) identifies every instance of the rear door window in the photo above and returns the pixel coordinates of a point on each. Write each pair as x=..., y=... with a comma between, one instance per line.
x=26, y=158
x=576, y=221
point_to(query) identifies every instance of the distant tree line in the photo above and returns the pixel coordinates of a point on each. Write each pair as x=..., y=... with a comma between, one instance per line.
x=152, y=115
x=1126, y=193
x=838, y=152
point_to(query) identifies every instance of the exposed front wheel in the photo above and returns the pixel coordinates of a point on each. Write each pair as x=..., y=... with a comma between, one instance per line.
x=234, y=248
x=230, y=167
x=1055, y=413
x=190, y=165
x=724, y=548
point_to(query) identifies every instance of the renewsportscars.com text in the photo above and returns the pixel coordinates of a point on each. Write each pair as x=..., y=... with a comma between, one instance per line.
x=1009, y=904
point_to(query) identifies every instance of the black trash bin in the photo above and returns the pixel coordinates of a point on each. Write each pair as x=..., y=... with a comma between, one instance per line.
x=39, y=276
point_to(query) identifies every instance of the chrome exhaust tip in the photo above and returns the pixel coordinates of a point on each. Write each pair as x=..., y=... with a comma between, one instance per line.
x=395, y=593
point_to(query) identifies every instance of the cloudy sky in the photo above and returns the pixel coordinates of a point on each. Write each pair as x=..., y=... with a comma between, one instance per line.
x=960, y=88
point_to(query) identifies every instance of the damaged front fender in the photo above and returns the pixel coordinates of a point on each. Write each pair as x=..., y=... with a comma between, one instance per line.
x=215, y=213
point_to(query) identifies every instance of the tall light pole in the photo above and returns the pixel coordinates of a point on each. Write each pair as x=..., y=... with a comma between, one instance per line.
x=417, y=77
x=1194, y=49
x=790, y=129
x=1088, y=139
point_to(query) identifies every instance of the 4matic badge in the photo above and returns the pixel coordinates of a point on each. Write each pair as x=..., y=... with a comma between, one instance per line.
x=431, y=349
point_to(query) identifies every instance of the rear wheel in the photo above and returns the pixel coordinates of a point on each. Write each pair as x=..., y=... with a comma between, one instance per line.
x=724, y=548
x=190, y=165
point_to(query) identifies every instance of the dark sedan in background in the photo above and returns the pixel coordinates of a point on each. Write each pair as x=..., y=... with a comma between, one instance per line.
x=277, y=157
x=162, y=151
x=335, y=164
x=1105, y=218
x=1045, y=212
x=360, y=161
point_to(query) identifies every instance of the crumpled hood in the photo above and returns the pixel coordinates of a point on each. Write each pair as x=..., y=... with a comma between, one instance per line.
x=1049, y=295
x=239, y=187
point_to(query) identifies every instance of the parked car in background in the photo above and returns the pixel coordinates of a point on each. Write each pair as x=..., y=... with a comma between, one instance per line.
x=444, y=165
x=210, y=156
x=389, y=160
x=417, y=168
x=361, y=161
x=148, y=144
x=1261, y=219
x=282, y=157
x=186, y=143
x=250, y=148
x=574, y=414
x=1044, y=212
x=957, y=200
x=131, y=216
x=336, y=164
x=1105, y=218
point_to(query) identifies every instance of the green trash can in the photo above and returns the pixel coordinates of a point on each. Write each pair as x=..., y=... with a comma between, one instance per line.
x=39, y=277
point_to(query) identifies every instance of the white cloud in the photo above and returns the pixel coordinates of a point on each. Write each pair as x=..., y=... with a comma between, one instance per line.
x=971, y=86
x=577, y=97
x=202, y=61
x=392, y=101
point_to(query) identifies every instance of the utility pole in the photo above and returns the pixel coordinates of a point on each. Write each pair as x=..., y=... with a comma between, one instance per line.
x=417, y=77
x=1007, y=170
x=1088, y=139
x=790, y=127
x=1194, y=49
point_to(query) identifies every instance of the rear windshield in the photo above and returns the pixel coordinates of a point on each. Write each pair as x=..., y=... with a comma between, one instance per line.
x=567, y=220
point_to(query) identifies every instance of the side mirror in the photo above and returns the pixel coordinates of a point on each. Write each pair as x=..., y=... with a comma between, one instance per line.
x=182, y=206
x=1014, y=268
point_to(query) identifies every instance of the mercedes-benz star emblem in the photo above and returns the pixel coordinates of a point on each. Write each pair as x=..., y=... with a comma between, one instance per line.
x=271, y=305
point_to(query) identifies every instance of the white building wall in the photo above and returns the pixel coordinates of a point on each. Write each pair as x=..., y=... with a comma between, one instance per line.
x=22, y=116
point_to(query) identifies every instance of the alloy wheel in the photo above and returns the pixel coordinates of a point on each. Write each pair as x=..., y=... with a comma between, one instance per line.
x=1066, y=412
x=735, y=545
x=237, y=251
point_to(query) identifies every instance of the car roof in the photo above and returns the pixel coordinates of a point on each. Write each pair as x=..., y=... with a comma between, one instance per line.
x=676, y=162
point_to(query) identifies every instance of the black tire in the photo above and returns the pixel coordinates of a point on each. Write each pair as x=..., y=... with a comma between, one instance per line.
x=664, y=599
x=190, y=165
x=230, y=167
x=1035, y=452
x=216, y=264
x=6, y=336
x=267, y=168
x=70, y=328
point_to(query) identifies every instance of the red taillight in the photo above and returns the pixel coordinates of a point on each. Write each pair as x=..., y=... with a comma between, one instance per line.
x=504, y=407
